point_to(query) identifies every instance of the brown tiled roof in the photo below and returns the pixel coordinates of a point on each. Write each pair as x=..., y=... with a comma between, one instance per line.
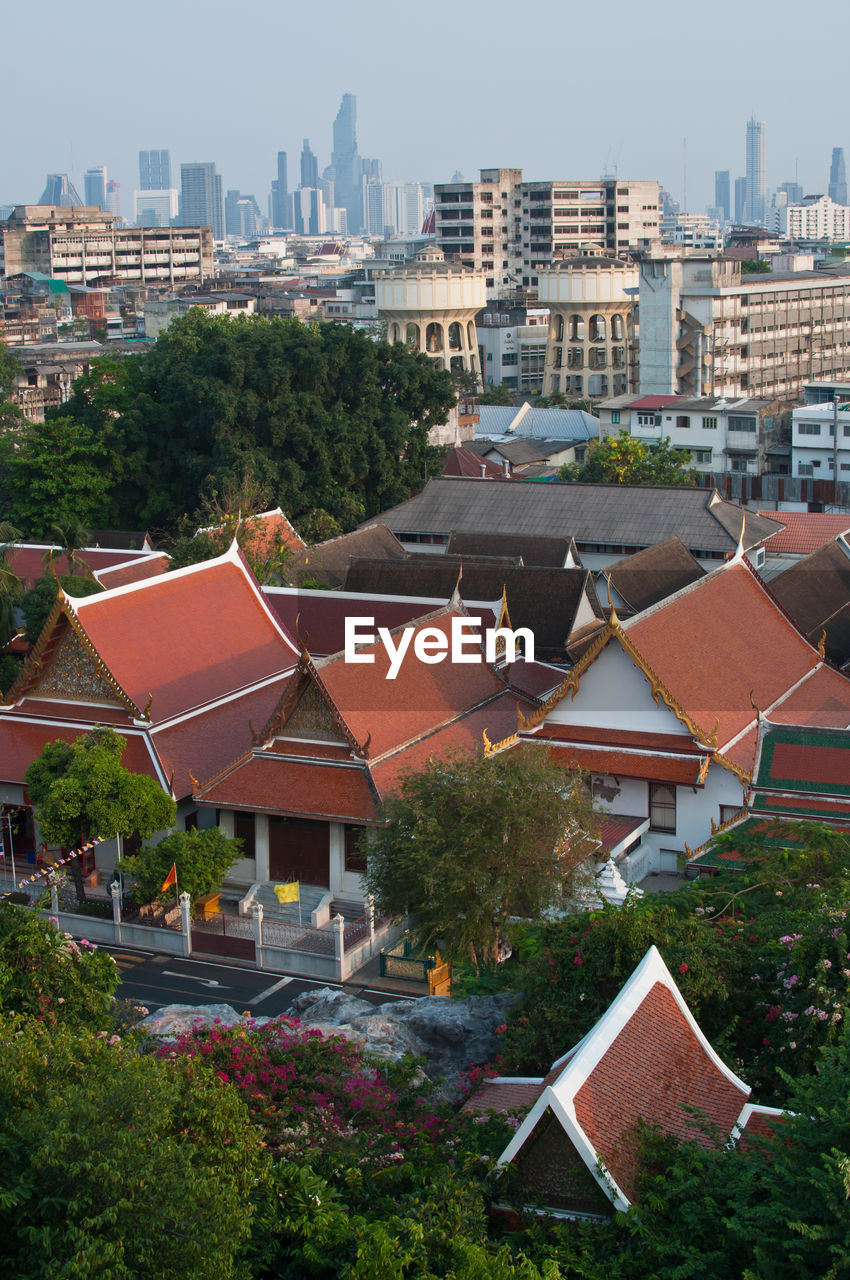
x=134, y=571
x=503, y=1096
x=267, y=783
x=651, y=575
x=549, y=553
x=23, y=740
x=327, y=562
x=816, y=593
x=546, y=600
x=463, y=462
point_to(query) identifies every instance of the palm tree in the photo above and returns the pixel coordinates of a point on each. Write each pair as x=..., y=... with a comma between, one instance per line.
x=70, y=537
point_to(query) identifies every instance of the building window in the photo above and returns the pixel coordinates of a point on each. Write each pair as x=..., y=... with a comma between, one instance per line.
x=648, y=420
x=510, y=357
x=355, y=848
x=741, y=424
x=682, y=420
x=728, y=812
x=615, y=417
x=808, y=428
x=662, y=807
x=709, y=424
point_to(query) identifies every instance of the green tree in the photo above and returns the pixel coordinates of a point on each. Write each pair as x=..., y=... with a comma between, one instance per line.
x=500, y=395
x=10, y=368
x=81, y=789
x=623, y=460
x=323, y=416
x=39, y=600
x=202, y=859
x=755, y=267
x=120, y=1164
x=46, y=974
x=468, y=843
x=10, y=586
x=58, y=472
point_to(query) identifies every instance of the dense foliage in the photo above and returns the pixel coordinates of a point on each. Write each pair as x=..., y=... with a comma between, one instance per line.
x=201, y=858
x=37, y=602
x=623, y=460
x=46, y=974
x=53, y=471
x=470, y=842
x=117, y=1164
x=323, y=416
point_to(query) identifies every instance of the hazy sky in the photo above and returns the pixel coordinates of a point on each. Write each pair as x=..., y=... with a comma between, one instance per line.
x=556, y=87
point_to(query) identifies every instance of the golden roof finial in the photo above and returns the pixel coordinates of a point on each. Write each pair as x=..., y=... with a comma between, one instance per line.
x=193, y=779
x=822, y=643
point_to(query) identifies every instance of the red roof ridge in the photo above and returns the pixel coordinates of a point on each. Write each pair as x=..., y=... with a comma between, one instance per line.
x=222, y=773
x=234, y=695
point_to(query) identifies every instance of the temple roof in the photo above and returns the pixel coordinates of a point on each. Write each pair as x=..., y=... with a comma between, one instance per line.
x=547, y=552
x=651, y=575
x=816, y=593
x=805, y=531
x=327, y=562
x=646, y=1059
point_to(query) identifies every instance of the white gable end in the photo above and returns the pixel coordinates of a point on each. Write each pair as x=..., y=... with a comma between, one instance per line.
x=615, y=694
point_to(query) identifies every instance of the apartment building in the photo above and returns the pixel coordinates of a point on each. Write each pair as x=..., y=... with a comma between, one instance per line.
x=816, y=218
x=592, y=346
x=721, y=435
x=707, y=330
x=512, y=344
x=820, y=441
x=509, y=229
x=82, y=245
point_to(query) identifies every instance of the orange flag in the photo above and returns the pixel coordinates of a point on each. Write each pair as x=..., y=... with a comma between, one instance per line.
x=171, y=878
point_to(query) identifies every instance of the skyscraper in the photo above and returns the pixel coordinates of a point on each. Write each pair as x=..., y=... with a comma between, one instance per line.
x=755, y=205
x=202, y=204
x=113, y=198
x=838, y=177
x=309, y=166
x=740, y=198
x=154, y=170
x=94, y=185
x=722, y=192
x=59, y=189
x=346, y=163
x=280, y=196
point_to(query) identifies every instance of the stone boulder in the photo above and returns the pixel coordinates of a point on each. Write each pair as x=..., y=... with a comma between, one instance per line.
x=447, y=1035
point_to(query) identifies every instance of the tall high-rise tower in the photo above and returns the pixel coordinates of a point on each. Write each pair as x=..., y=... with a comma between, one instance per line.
x=202, y=201
x=346, y=163
x=94, y=184
x=280, y=196
x=309, y=166
x=838, y=177
x=154, y=170
x=722, y=192
x=756, y=201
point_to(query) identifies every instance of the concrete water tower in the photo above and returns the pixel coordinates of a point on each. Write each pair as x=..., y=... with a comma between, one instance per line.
x=591, y=349
x=431, y=305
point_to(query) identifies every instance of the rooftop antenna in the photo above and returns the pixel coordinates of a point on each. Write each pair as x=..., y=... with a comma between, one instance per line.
x=684, y=175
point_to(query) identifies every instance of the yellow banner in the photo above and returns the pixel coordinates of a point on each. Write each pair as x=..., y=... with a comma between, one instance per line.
x=287, y=892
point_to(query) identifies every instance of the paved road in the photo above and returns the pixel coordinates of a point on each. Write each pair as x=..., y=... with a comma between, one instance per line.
x=155, y=980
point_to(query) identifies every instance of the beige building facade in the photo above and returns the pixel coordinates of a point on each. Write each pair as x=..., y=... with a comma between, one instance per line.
x=82, y=245
x=591, y=349
x=431, y=305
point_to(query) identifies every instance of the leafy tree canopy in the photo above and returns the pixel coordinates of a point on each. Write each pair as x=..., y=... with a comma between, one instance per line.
x=114, y=1163
x=202, y=859
x=623, y=460
x=10, y=413
x=82, y=789
x=321, y=414
x=46, y=974
x=59, y=471
x=470, y=842
x=39, y=600
x=755, y=267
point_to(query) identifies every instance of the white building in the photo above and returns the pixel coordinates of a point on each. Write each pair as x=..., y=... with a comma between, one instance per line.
x=512, y=344
x=817, y=218
x=815, y=444
x=721, y=435
x=591, y=349
x=155, y=208
x=431, y=305
x=692, y=231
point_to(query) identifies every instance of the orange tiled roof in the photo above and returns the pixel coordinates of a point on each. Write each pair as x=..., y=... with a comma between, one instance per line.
x=187, y=637
x=627, y=764
x=132, y=571
x=805, y=531
x=296, y=787
x=654, y=1066
x=22, y=740
x=734, y=651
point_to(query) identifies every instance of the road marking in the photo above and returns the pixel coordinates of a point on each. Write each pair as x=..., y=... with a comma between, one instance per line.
x=269, y=991
x=207, y=982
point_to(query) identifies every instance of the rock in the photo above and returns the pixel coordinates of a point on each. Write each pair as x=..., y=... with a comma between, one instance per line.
x=448, y=1035
x=173, y=1020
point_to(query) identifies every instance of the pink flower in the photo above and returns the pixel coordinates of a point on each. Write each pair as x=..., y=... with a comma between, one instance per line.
x=683, y=968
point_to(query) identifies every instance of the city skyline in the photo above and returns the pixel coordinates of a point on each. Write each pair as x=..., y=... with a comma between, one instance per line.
x=405, y=116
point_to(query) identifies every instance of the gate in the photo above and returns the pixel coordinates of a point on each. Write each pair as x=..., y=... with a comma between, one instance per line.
x=224, y=936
